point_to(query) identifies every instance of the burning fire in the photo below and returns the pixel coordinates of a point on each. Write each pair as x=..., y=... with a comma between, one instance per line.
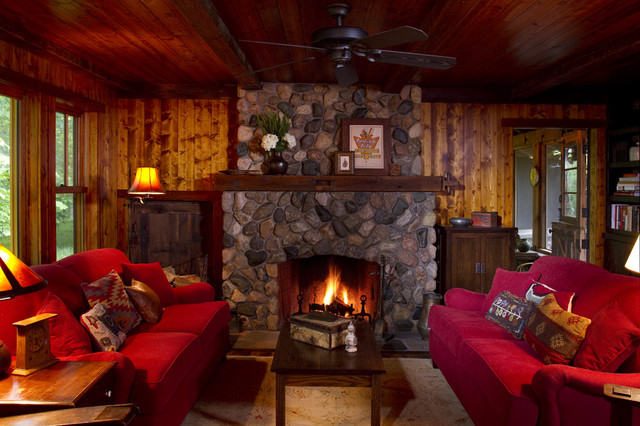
x=332, y=283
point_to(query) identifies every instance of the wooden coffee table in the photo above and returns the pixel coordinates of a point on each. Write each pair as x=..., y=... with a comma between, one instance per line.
x=301, y=364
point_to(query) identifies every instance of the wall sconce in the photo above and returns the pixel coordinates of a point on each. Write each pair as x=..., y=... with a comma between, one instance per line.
x=146, y=183
x=633, y=263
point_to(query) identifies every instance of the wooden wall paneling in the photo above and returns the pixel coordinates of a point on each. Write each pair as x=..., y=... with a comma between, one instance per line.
x=47, y=179
x=597, y=207
x=152, y=131
x=169, y=137
x=93, y=211
x=457, y=147
x=107, y=140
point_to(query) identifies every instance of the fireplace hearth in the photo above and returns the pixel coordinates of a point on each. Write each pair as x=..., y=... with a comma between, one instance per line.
x=264, y=230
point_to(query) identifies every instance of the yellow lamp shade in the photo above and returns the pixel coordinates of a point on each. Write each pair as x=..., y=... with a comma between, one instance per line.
x=633, y=263
x=16, y=278
x=146, y=182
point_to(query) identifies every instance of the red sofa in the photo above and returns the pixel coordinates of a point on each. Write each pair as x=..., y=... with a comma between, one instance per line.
x=501, y=380
x=161, y=367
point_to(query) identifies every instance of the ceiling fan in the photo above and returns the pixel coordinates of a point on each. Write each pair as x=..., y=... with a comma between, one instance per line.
x=341, y=42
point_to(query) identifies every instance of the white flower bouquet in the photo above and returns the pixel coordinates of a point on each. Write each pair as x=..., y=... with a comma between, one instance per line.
x=274, y=128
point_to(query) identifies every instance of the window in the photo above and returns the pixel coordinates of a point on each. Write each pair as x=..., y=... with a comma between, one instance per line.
x=8, y=164
x=69, y=195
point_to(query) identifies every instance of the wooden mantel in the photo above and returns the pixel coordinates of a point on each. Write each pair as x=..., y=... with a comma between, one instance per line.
x=251, y=182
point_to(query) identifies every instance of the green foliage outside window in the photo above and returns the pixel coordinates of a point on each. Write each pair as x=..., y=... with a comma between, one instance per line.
x=5, y=172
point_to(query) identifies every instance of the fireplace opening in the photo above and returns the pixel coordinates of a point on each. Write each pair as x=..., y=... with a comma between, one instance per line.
x=341, y=285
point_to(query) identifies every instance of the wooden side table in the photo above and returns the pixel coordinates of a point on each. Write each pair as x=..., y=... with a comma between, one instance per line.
x=104, y=415
x=66, y=384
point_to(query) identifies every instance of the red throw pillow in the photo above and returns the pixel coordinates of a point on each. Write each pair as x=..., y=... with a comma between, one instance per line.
x=611, y=339
x=152, y=275
x=516, y=283
x=68, y=337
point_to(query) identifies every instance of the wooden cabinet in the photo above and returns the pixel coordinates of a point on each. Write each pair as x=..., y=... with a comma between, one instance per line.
x=623, y=169
x=468, y=257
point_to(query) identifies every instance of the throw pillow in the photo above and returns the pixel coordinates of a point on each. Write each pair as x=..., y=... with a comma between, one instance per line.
x=511, y=312
x=537, y=291
x=555, y=334
x=109, y=291
x=105, y=331
x=611, y=339
x=152, y=275
x=145, y=300
x=517, y=283
x=68, y=338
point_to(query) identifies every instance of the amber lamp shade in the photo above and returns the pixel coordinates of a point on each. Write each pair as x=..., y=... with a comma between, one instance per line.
x=146, y=182
x=16, y=279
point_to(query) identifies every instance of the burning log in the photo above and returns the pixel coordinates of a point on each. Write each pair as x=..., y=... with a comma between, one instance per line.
x=338, y=307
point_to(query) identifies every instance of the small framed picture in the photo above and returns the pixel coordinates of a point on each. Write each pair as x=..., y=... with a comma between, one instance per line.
x=343, y=163
x=370, y=140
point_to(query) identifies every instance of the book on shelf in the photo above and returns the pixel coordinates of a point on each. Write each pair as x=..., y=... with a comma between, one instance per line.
x=625, y=217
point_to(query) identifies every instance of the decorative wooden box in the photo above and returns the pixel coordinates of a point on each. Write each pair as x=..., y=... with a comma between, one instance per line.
x=484, y=219
x=321, y=329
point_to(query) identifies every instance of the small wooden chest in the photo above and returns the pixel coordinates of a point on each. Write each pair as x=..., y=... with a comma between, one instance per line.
x=484, y=219
x=320, y=329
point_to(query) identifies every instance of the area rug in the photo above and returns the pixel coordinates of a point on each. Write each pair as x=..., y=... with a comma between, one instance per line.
x=242, y=392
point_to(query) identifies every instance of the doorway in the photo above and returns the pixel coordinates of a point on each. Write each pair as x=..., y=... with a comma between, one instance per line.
x=551, y=191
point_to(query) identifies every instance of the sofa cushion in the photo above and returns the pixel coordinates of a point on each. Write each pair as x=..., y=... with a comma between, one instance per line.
x=109, y=290
x=203, y=319
x=611, y=339
x=68, y=337
x=517, y=283
x=162, y=361
x=106, y=333
x=145, y=300
x=152, y=275
x=555, y=334
x=511, y=312
x=91, y=265
x=66, y=285
x=453, y=326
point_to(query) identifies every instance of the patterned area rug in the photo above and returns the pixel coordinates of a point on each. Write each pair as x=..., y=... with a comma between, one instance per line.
x=242, y=392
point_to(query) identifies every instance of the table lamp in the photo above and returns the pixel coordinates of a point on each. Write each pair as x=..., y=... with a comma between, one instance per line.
x=633, y=263
x=16, y=279
x=146, y=183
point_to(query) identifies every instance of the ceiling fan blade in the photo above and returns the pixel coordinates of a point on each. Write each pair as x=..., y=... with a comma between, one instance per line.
x=412, y=59
x=346, y=74
x=309, y=59
x=400, y=35
x=284, y=44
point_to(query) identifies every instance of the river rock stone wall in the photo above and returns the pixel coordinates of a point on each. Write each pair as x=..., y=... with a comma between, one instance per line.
x=264, y=228
x=316, y=111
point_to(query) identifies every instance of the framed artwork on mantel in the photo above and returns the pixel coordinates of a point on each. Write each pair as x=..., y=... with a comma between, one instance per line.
x=370, y=140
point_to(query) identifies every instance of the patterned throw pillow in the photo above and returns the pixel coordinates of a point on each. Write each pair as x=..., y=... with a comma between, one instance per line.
x=555, y=334
x=105, y=331
x=537, y=291
x=511, y=312
x=109, y=291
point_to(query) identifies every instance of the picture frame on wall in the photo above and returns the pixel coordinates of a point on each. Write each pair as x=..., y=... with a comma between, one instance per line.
x=370, y=141
x=343, y=163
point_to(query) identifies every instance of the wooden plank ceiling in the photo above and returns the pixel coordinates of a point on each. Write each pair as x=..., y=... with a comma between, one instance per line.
x=506, y=50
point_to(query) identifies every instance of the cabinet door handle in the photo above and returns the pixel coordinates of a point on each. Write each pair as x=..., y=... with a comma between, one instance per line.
x=484, y=268
x=477, y=268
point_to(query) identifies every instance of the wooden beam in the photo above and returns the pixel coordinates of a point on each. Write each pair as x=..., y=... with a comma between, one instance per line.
x=547, y=123
x=207, y=23
x=17, y=35
x=31, y=84
x=571, y=69
x=182, y=91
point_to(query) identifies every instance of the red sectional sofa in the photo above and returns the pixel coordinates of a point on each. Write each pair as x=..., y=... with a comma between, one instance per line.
x=161, y=367
x=501, y=380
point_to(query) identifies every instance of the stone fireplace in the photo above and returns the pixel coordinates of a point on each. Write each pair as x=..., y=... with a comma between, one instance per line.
x=262, y=229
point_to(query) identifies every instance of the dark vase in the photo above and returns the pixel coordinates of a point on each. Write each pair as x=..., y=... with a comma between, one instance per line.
x=276, y=164
x=523, y=245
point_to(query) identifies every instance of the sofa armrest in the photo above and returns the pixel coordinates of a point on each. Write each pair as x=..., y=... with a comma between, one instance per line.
x=550, y=380
x=464, y=299
x=195, y=293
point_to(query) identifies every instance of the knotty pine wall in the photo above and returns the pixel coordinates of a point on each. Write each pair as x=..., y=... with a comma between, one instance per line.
x=469, y=142
x=186, y=139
